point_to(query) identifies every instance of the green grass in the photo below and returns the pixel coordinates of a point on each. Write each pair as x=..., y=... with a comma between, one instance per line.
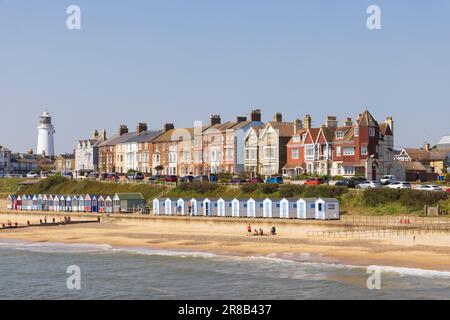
x=60, y=185
x=9, y=186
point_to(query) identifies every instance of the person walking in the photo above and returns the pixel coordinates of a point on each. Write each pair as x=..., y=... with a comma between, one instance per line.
x=249, y=230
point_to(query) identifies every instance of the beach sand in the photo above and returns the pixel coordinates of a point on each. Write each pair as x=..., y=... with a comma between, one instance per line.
x=229, y=237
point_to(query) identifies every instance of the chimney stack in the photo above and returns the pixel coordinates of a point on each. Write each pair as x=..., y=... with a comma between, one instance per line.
x=104, y=135
x=426, y=146
x=168, y=127
x=255, y=115
x=348, y=122
x=331, y=122
x=241, y=119
x=390, y=123
x=215, y=119
x=307, y=122
x=278, y=117
x=142, y=127
x=95, y=134
x=298, y=125
x=30, y=151
x=123, y=129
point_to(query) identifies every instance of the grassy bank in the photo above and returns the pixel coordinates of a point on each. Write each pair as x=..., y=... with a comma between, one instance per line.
x=369, y=202
x=61, y=185
x=9, y=185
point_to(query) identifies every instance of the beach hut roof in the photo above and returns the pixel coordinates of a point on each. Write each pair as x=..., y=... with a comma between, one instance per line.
x=87, y=197
x=329, y=199
x=9, y=197
x=101, y=198
x=108, y=198
x=129, y=196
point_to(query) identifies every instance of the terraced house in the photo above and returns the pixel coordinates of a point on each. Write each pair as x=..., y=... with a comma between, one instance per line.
x=363, y=148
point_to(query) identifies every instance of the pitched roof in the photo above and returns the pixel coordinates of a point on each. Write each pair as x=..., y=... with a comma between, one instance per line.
x=118, y=139
x=417, y=154
x=412, y=165
x=366, y=119
x=146, y=136
x=285, y=129
x=130, y=196
x=439, y=155
x=385, y=129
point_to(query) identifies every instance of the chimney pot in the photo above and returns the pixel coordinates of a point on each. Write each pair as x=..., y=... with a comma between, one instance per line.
x=307, y=122
x=215, y=119
x=348, y=122
x=241, y=119
x=123, y=129
x=142, y=127
x=278, y=117
x=168, y=126
x=255, y=115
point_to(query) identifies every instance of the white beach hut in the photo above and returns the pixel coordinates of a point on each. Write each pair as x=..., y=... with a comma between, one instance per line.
x=251, y=208
x=284, y=208
x=168, y=207
x=327, y=209
x=34, y=200
x=193, y=207
x=181, y=205
x=207, y=207
x=56, y=203
x=267, y=208
x=306, y=208
x=235, y=208
x=221, y=207
x=156, y=207
x=10, y=202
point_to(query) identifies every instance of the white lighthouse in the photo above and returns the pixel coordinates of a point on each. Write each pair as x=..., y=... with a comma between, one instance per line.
x=46, y=130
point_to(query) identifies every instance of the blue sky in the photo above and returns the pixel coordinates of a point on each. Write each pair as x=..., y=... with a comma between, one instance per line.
x=180, y=61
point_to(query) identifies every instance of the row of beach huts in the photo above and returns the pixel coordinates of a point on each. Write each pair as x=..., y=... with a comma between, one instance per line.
x=308, y=208
x=286, y=208
x=119, y=203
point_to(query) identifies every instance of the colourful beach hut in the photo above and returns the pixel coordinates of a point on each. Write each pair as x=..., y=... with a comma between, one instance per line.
x=62, y=203
x=29, y=202
x=87, y=203
x=39, y=202
x=101, y=204
x=75, y=203
x=94, y=204
x=69, y=207
x=108, y=205
x=23, y=202
x=81, y=206
x=56, y=203
x=34, y=203
x=50, y=203
x=327, y=209
x=45, y=203
x=19, y=203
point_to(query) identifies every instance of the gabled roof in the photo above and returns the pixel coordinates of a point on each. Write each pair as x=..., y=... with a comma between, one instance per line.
x=385, y=129
x=146, y=136
x=130, y=196
x=366, y=119
x=285, y=129
x=417, y=154
x=118, y=139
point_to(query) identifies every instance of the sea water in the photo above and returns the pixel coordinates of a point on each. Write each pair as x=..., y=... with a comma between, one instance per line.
x=39, y=271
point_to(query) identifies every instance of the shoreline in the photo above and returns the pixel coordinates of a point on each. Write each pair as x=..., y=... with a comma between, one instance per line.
x=229, y=238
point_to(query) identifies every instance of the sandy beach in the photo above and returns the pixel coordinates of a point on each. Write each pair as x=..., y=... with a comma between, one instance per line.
x=229, y=237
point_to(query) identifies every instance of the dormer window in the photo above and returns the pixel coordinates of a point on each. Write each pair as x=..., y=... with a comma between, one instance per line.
x=339, y=135
x=296, y=138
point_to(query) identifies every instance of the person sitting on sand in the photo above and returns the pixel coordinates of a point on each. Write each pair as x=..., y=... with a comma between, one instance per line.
x=261, y=232
x=273, y=231
x=255, y=233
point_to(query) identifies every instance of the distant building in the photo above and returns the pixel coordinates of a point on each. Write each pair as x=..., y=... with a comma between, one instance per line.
x=46, y=131
x=65, y=163
x=86, y=154
x=5, y=160
x=364, y=147
x=444, y=143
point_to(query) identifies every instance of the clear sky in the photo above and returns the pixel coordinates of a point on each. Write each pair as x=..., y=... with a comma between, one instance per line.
x=180, y=61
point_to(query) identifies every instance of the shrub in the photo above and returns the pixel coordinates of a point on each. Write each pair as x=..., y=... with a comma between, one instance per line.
x=409, y=198
x=291, y=190
x=248, y=188
x=199, y=187
x=269, y=188
x=50, y=183
x=324, y=191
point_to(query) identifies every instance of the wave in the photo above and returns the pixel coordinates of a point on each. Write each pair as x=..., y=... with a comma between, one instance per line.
x=273, y=259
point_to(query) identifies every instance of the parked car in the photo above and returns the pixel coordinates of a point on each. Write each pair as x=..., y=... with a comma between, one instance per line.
x=135, y=176
x=171, y=178
x=314, y=181
x=387, y=179
x=349, y=183
x=238, y=180
x=277, y=180
x=113, y=177
x=256, y=180
x=399, y=185
x=32, y=175
x=155, y=178
x=187, y=178
x=201, y=179
x=448, y=190
x=368, y=185
x=93, y=176
x=67, y=174
x=429, y=187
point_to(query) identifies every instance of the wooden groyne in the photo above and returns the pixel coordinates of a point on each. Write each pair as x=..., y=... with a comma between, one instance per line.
x=46, y=223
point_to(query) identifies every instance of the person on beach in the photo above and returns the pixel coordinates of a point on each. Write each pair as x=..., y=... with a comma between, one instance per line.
x=255, y=233
x=273, y=231
x=249, y=229
x=261, y=232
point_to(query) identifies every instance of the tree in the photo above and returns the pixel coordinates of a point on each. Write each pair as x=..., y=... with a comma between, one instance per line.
x=159, y=169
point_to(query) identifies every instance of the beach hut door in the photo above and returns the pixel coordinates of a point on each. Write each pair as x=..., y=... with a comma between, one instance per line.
x=220, y=208
x=251, y=209
x=235, y=208
x=267, y=208
x=156, y=207
x=284, y=212
x=301, y=210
